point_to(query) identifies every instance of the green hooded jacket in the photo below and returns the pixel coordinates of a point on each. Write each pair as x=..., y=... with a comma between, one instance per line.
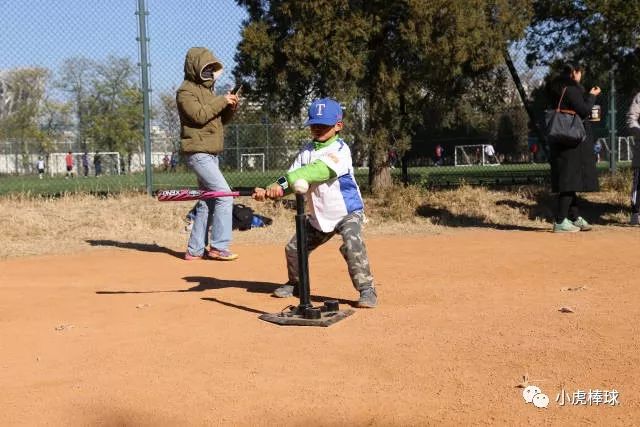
x=202, y=114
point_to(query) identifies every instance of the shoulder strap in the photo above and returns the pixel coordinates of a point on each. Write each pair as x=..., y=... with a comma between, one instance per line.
x=564, y=89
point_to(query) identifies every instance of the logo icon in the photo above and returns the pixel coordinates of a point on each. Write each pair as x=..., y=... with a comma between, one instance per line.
x=533, y=394
x=540, y=400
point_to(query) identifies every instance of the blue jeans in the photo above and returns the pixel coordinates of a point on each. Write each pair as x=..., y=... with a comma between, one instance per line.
x=206, y=167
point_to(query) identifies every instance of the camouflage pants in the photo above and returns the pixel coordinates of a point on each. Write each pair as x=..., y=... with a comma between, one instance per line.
x=352, y=249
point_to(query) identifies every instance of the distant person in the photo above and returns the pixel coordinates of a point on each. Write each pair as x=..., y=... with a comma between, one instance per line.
x=333, y=200
x=490, y=152
x=633, y=123
x=40, y=166
x=597, y=148
x=533, y=150
x=174, y=161
x=202, y=117
x=85, y=164
x=438, y=155
x=68, y=160
x=573, y=168
x=393, y=158
x=97, y=164
x=166, y=162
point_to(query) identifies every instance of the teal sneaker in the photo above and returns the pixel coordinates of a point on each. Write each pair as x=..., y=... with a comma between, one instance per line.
x=582, y=224
x=565, y=226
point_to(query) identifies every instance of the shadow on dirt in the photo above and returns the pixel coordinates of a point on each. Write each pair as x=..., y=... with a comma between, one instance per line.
x=210, y=283
x=143, y=247
x=292, y=303
x=239, y=307
x=447, y=218
x=545, y=207
x=322, y=299
x=542, y=206
x=207, y=283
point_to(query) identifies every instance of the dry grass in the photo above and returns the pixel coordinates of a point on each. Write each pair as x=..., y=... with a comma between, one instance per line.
x=619, y=182
x=76, y=222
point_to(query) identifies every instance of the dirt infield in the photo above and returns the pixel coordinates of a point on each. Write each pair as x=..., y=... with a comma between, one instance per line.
x=133, y=335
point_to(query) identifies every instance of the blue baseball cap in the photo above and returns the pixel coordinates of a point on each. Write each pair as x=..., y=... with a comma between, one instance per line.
x=325, y=111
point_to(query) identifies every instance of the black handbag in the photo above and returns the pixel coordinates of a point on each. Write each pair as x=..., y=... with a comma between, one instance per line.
x=564, y=127
x=241, y=217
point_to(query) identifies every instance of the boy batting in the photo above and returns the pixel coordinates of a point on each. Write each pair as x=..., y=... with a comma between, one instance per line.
x=334, y=202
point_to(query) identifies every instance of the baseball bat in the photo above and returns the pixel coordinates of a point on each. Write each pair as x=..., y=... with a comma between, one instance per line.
x=185, y=195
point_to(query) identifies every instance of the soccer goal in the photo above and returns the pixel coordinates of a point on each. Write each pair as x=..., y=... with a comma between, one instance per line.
x=625, y=148
x=253, y=162
x=100, y=163
x=475, y=155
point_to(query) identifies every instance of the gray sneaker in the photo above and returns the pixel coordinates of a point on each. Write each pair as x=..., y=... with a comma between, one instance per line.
x=368, y=298
x=582, y=224
x=287, y=291
x=635, y=219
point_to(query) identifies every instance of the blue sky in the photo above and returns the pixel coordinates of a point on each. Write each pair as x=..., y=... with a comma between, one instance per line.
x=45, y=33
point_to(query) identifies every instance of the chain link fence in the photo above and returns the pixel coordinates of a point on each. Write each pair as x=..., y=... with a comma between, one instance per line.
x=70, y=82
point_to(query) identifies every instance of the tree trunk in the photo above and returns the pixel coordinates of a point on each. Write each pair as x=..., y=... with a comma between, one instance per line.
x=379, y=171
x=380, y=178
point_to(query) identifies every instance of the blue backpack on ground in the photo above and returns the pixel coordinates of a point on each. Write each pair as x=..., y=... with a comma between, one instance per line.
x=245, y=219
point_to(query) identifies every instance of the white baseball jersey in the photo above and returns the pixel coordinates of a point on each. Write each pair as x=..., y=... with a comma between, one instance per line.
x=330, y=201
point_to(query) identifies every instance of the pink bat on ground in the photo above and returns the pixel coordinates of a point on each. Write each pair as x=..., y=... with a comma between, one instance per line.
x=185, y=195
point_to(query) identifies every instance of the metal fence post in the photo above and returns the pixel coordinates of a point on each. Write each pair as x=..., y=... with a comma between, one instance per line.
x=144, y=64
x=612, y=123
x=238, y=159
x=267, y=144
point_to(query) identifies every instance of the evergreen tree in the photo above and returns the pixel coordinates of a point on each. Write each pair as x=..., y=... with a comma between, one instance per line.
x=393, y=63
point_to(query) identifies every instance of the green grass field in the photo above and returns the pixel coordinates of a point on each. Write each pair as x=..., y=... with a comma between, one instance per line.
x=120, y=183
x=535, y=173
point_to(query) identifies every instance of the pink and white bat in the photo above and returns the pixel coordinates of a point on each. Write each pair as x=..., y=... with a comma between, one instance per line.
x=185, y=195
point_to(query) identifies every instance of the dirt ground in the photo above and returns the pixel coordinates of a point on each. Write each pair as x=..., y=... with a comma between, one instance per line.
x=134, y=335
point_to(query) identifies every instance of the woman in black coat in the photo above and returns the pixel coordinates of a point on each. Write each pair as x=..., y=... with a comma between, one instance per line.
x=573, y=169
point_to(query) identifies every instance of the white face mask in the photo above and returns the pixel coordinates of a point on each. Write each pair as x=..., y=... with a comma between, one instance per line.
x=208, y=73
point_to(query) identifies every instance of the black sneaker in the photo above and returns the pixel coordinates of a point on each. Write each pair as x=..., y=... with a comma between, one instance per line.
x=286, y=291
x=368, y=298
